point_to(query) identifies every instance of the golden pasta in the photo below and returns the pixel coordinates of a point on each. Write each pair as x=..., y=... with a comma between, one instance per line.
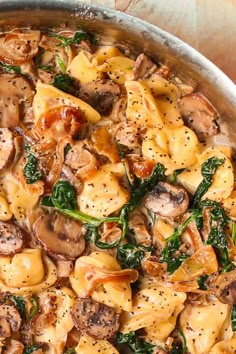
x=117, y=210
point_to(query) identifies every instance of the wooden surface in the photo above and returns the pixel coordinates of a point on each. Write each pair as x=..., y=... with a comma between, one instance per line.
x=207, y=25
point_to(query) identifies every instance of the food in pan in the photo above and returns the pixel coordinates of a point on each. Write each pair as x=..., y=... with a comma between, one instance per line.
x=117, y=203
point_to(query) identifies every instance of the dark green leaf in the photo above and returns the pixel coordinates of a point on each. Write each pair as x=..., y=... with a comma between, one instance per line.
x=64, y=83
x=202, y=282
x=70, y=351
x=67, y=149
x=64, y=196
x=76, y=39
x=233, y=318
x=208, y=169
x=47, y=201
x=47, y=68
x=135, y=343
x=60, y=64
x=11, y=68
x=19, y=303
x=217, y=236
x=173, y=243
x=234, y=233
x=131, y=256
x=30, y=349
x=179, y=346
x=34, y=308
x=30, y=170
x=175, y=174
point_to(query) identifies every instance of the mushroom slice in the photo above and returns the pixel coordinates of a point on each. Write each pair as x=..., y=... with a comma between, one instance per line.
x=144, y=67
x=167, y=200
x=10, y=320
x=11, y=239
x=95, y=319
x=225, y=287
x=7, y=148
x=199, y=115
x=100, y=94
x=14, y=91
x=60, y=236
x=16, y=48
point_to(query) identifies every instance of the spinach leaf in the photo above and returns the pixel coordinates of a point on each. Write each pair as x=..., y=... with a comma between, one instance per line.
x=60, y=63
x=130, y=255
x=67, y=149
x=19, y=303
x=217, y=236
x=64, y=83
x=175, y=174
x=179, y=345
x=10, y=68
x=136, y=344
x=70, y=351
x=169, y=256
x=34, y=308
x=173, y=243
x=201, y=282
x=30, y=170
x=47, y=68
x=76, y=39
x=63, y=198
x=233, y=231
x=30, y=349
x=233, y=318
x=208, y=169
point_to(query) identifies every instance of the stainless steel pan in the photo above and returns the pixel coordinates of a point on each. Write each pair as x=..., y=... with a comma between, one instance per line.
x=116, y=27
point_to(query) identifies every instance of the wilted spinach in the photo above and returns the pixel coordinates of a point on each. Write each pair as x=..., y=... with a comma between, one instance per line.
x=131, y=255
x=136, y=344
x=76, y=39
x=208, y=169
x=31, y=172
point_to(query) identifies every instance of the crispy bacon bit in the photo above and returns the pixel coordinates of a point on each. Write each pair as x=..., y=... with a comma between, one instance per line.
x=16, y=48
x=65, y=118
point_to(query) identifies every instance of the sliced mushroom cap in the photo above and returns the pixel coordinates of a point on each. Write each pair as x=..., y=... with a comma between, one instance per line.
x=100, y=94
x=144, y=67
x=167, y=200
x=16, y=48
x=10, y=320
x=225, y=287
x=7, y=148
x=14, y=91
x=11, y=239
x=95, y=319
x=199, y=115
x=60, y=236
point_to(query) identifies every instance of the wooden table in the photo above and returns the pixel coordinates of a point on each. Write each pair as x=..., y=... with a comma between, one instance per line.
x=207, y=25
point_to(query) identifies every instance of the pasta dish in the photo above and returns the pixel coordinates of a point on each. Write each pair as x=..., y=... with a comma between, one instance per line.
x=117, y=203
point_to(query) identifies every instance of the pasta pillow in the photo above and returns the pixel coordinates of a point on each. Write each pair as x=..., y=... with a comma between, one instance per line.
x=223, y=179
x=88, y=345
x=152, y=305
x=100, y=276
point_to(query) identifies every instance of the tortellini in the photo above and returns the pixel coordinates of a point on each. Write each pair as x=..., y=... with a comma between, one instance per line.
x=224, y=347
x=102, y=194
x=141, y=106
x=26, y=272
x=48, y=97
x=202, y=325
x=58, y=301
x=98, y=275
x=175, y=148
x=82, y=69
x=223, y=180
x=88, y=345
x=152, y=305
